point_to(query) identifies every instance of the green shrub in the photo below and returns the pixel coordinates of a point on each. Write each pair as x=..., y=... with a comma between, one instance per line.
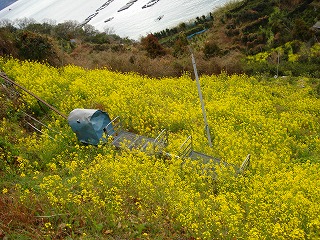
x=37, y=47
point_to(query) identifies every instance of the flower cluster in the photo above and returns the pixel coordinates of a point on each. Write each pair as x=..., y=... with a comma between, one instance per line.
x=131, y=194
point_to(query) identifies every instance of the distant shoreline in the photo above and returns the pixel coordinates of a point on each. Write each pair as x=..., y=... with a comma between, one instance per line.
x=134, y=23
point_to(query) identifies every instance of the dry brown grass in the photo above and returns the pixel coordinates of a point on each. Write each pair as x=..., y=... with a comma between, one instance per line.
x=17, y=218
x=136, y=60
x=130, y=60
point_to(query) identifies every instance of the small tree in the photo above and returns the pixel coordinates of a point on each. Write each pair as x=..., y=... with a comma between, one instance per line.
x=151, y=44
x=301, y=30
x=7, y=43
x=211, y=49
x=180, y=45
x=35, y=46
x=67, y=30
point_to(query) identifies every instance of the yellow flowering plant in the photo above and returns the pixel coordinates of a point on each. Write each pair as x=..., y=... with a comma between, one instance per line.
x=98, y=191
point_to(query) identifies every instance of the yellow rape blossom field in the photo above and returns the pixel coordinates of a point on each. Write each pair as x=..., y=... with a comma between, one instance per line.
x=61, y=189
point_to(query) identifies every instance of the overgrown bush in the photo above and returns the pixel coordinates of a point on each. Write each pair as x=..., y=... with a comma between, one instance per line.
x=34, y=46
x=151, y=44
x=211, y=49
x=7, y=43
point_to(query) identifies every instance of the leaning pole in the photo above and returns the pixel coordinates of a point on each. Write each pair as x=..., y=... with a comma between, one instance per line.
x=199, y=90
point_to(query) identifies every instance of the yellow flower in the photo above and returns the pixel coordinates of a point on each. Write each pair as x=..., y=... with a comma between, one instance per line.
x=48, y=225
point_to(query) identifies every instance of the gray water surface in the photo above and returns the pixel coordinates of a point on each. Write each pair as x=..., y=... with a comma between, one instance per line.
x=133, y=22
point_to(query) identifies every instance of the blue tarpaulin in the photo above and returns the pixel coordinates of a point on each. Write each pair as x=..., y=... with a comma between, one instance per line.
x=89, y=124
x=192, y=35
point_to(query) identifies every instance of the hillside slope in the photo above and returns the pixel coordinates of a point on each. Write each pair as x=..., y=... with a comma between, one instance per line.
x=235, y=31
x=53, y=187
x=255, y=25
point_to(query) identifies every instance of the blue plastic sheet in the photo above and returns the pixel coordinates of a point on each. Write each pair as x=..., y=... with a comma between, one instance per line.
x=89, y=124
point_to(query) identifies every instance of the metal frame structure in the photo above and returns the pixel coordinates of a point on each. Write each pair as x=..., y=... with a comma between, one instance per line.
x=187, y=151
x=128, y=140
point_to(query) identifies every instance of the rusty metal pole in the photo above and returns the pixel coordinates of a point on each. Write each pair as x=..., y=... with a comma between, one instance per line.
x=6, y=78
